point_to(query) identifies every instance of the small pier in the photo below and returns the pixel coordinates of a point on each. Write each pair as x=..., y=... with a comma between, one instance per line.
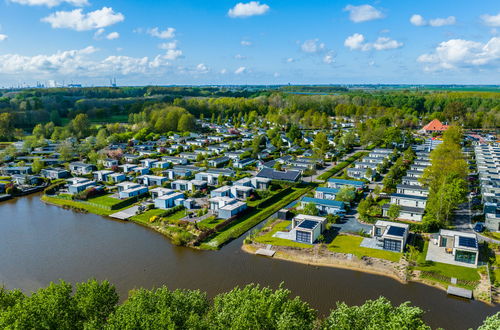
x=459, y=292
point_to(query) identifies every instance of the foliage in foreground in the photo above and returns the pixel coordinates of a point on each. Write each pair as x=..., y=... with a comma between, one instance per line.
x=94, y=305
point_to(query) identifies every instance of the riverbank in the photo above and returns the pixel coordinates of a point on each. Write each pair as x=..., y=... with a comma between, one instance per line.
x=321, y=256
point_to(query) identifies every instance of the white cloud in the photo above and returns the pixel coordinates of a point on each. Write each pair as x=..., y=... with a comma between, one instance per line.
x=113, y=35
x=81, y=63
x=3, y=37
x=457, y=53
x=223, y=71
x=357, y=42
x=240, y=57
x=290, y=60
x=312, y=46
x=419, y=20
x=436, y=22
x=363, y=13
x=276, y=74
x=202, y=68
x=491, y=20
x=79, y=21
x=252, y=8
x=169, y=33
x=240, y=70
x=329, y=58
x=168, y=45
x=246, y=43
x=384, y=43
x=67, y=62
x=51, y=3
x=98, y=33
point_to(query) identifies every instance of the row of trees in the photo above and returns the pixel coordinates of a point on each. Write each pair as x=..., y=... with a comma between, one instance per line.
x=397, y=171
x=446, y=178
x=94, y=305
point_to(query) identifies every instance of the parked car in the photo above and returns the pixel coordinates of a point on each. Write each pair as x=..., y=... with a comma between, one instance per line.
x=478, y=227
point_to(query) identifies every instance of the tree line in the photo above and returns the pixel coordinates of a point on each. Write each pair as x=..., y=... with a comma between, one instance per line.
x=95, y=305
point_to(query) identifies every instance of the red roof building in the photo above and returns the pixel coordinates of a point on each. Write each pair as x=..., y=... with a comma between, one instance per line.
x=435, y=126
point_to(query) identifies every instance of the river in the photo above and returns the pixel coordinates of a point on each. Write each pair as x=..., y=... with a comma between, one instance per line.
x=40, y=243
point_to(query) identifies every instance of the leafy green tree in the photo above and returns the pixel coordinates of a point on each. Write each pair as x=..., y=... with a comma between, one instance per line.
x=376, y=314
x=95, y=301
x=294, y=133
x=310, y=209
x=7, y=128
x=346, y=194
x=321, y=145
x=491, y=323
x=186, y=123
x=253, y=307
x=102, y=138
x=80, y=125
x=66, y=151
x=160, y=309
x=37, y=165
x=49, y=308
x=393, y=211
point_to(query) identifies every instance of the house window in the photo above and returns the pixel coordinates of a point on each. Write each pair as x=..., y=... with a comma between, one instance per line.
x=303, y=236
x=465, y=256
x=392, y=245
x=377, y=231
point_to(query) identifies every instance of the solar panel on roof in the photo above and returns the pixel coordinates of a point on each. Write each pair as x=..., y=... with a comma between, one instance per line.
x=308, y=224
x=396, y=231
x=467, y=242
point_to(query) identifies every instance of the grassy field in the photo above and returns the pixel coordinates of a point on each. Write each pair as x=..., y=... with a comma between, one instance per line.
x=105, y=200
x=350, y=244
x=490, y=234
x=144, y=217
x=254, y=217
x=210, y=222
x=268, y=238
x=463, y=273
x=78, y=205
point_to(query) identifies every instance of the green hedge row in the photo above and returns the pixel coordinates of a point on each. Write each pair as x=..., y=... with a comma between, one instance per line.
x=244, y=224
x=340, y=166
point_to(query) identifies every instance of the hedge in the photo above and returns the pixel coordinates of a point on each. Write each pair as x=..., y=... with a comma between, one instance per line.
x=340, y=166
x=244, y=224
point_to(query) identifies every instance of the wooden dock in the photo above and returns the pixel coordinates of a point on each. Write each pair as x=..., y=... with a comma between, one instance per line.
x=459, y=292
x=266, y=252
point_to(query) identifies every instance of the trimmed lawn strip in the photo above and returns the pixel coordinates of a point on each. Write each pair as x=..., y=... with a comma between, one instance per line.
x=105, y=200
x=241, y=225
x=210, y=222
x=491, y=235
x=350, y=244
x=463, y=273
x=144, y=217
x=77, y=205
x=268, y=238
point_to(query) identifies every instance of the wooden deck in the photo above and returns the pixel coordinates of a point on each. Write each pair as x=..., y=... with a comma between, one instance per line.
x=459, y=292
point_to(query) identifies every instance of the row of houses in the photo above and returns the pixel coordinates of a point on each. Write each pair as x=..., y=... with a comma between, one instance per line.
x=488, y=168
x=411, y=196
x=367, y=167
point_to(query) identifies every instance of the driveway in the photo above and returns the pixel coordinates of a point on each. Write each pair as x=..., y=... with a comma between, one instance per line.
x=350, y=224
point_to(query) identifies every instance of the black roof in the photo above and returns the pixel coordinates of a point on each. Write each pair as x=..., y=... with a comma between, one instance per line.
x=273, y=174
x=467, y=242
x=308, y=224
x=396, y=231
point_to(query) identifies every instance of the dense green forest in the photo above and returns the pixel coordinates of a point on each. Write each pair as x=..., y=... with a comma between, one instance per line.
x=95, y=305
x=402, y=108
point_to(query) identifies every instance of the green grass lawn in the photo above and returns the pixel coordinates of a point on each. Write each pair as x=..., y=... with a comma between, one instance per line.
x=144, y=217
x=105, y=200
x=268, y=238
x=350, y=244
x=210, y=222
x=463, y=273
x=490, y=234
x=75, y=204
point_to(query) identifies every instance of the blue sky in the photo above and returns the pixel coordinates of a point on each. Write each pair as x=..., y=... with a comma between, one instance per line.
x=249, y=42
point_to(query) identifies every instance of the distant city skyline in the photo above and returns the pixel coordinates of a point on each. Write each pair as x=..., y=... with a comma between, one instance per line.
x=196, y=42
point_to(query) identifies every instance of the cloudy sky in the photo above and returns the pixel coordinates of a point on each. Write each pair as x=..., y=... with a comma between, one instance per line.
x=251, y=42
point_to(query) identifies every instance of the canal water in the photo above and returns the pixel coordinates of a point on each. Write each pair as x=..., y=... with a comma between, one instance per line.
x=41, y=243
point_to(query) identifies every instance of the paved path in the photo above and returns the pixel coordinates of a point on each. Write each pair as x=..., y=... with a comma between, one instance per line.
x=125, y=214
